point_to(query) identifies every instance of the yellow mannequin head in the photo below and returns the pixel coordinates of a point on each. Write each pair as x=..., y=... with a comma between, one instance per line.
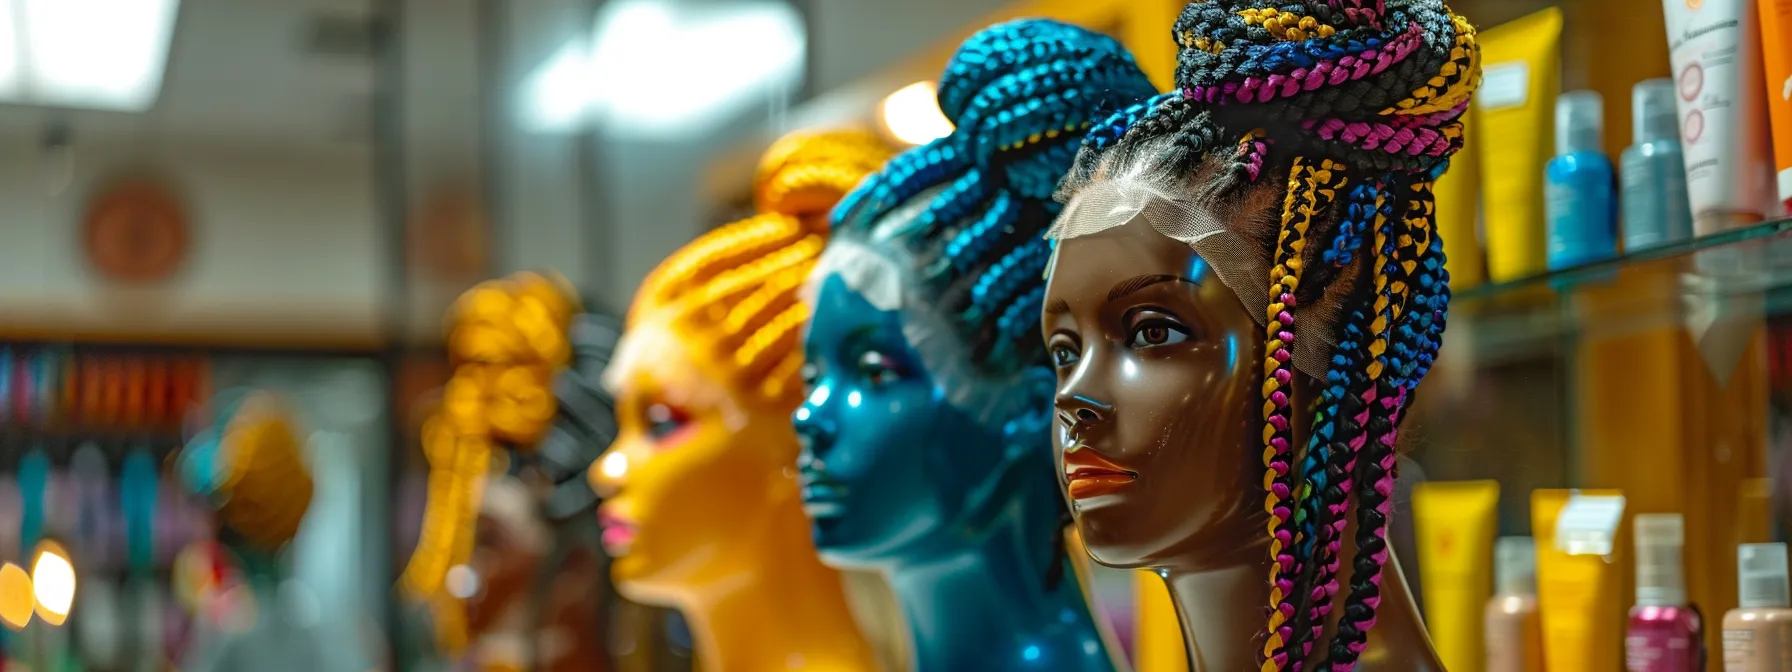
x=706, y=379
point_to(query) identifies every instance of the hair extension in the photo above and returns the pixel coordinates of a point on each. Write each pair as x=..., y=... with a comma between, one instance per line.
x=737, y=285
x=1378, y=87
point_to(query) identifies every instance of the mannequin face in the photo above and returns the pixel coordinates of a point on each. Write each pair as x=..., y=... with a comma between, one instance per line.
x=1158, y=372
x=694, y=470
x=887, y=463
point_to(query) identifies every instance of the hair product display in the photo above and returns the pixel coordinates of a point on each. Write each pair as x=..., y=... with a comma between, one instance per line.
x=1652, y=171
x=1520, y=60
x=1716, y=50
x=1514, y=634
x=1455, y=522
x=1664, y=634
x=1581, y=208
x=1757, y=635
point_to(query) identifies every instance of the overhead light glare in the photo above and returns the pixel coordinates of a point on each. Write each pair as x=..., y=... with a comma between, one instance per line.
x=93, y=54
x=656, y=68
x=912, y=114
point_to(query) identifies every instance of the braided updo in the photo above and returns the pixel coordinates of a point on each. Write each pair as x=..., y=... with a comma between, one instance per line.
x=1358, y=103
x=1021, y=95
x=736, y=287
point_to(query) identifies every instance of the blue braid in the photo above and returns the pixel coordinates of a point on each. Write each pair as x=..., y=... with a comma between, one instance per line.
x=904, y=177
x=1358, y=216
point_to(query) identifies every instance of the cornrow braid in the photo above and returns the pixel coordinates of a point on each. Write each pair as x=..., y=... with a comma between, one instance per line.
x=738, y=285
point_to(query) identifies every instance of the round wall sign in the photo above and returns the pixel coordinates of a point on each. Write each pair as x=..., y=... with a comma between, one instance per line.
x=136, y=232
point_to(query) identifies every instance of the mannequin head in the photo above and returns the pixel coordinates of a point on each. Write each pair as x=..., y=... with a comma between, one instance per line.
x=1248, y=289
x=707, y=375
x=927, y=389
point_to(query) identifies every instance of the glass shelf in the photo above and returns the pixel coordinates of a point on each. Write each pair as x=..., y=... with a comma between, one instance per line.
x=1663, y=372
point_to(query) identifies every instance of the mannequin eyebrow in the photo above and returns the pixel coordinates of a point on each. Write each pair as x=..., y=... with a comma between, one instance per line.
x=1138, y=282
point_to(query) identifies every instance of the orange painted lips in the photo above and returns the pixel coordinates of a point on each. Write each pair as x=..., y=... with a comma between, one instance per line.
x=1088, y=474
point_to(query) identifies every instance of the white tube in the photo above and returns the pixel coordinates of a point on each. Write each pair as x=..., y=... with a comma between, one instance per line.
x=1716, y=52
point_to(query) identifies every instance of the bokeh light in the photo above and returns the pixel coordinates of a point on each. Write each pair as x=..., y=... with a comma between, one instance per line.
x=53, y=582
x=912, y=114
x=16, y=601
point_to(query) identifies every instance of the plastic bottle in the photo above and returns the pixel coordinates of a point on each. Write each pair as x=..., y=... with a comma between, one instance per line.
x=1758, y=634
x=1514, y=630
x=1653, y=171
x=1580, y=205
x=1663, y=634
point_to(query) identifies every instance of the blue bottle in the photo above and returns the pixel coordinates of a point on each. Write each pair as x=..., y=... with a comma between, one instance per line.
x=1580, y=204
x=1652, y=172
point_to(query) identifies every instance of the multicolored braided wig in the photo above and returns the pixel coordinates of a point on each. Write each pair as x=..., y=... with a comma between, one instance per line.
x=735, y=288
x=1352, y=108
x=968, y=209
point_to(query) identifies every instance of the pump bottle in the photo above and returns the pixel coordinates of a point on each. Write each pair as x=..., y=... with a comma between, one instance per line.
x=1580, y=205
x=1758, y=634
x=1664, y=633
x=1653, y=171
x=1514, y=631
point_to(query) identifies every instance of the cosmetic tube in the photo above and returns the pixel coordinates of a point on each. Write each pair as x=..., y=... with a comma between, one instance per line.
x=1652, y=171
x=1578, y=578
x=1454, y=523
x=1520, y=78
x=1664, y=634
x=1776, y=47
x=1514, y=632
x=1581, y=209
x=1715, y=49
x=1758, y=634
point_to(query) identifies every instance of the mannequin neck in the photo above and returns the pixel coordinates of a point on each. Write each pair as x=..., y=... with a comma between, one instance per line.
x=778, y=608
x=1222, y=606
x=985, y=604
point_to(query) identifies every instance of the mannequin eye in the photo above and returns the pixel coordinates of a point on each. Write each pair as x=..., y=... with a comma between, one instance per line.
x=1064, y=355
x=877, y=368
x=663, y=421
x=1150, y=333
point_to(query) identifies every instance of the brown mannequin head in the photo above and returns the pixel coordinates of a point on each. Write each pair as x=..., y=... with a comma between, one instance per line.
x=1247, y=290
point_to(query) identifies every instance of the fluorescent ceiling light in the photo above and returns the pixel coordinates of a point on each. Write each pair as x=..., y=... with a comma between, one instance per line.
x=658, y=68
x=96, y=54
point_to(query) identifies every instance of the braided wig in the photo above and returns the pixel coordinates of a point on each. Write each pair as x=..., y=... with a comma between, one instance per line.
x=1347, y=110
x=965, y=212
x=735, y=288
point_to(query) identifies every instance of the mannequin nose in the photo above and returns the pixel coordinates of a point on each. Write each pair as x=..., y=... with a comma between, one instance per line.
x=608, y=474
x=1076, y=409
x=814, y=434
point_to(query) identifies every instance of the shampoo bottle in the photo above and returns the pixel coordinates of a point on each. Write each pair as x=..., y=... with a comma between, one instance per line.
x=1664, y=633
x=1514, y=632
x=1758, y=634
x=1580, y=206
x=1653, y=171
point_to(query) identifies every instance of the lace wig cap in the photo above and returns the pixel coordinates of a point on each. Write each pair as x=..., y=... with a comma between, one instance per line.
x=1198, y=218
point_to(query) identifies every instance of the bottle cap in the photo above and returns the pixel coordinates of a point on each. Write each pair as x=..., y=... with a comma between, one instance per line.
x=1515, y=566
x=1652, y=112
x=1580, y=121
x=1761, y=575
x=1659, y=579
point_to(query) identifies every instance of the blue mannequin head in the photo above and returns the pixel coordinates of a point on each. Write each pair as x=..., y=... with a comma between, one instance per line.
x=926, y=427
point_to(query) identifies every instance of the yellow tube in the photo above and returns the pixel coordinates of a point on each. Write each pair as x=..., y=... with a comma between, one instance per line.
x=1516, y=109
x=1458, y=197
x=1455, y=523
x=1578, y=595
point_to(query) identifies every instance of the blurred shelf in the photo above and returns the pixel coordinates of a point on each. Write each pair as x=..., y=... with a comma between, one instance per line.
x=1701, y=285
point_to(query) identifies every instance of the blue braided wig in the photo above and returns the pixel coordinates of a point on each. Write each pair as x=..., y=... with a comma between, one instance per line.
x=1021, y=95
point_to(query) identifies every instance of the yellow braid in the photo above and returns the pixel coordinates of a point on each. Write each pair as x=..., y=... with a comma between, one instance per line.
x=1311, y=190
x=1286, y=25
x=735, y=288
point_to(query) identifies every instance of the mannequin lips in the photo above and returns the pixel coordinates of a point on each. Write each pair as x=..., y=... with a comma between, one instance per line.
x=1089, y=474
x=822, y=495
x=618, y=532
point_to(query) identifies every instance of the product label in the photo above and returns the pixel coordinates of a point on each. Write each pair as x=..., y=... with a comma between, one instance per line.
x=1715, y=51
x=1504, y=85
x=1747, y=650
x=1739, y=648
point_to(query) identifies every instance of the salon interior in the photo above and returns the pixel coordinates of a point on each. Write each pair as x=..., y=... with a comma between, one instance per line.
x=865, y=336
